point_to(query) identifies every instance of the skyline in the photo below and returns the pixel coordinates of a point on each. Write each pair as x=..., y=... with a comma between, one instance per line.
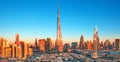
x=38, y=19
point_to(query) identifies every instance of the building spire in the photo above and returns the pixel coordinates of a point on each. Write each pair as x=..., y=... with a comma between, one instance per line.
x=59, y=43
x=59, y=35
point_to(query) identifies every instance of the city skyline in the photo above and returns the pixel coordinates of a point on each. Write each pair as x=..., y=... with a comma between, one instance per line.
x=37, y=19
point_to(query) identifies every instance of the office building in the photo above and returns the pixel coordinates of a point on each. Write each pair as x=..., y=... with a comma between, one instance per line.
x=42, y=45
x=17, y=39
x=95, y=50
x=117, y=43
x=81, y=43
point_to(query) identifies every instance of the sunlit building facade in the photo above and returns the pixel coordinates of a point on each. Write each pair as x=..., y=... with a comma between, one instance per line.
x=1, y=44
x=8, y=52
x=19, y=51
x=5, y=44
x=30, y=52
x=42, y=44
x=89, y=45
x=49, y=44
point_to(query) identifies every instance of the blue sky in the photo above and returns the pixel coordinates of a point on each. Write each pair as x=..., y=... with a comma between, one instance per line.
x=38, y=19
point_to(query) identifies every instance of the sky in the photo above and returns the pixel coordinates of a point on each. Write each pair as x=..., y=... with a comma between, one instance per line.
x=38, y=19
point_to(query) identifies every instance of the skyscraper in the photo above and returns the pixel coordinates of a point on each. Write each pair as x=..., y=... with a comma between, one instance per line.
x=81, y=43
x=95, y=50
x=89, y=45
x=49, y=44
x=25, y=50
x=17, y=39
x=13, y=50
x=117, y=43
x=1, y=44
x=59, y=43
x=98, y=42
x=36, y=45
x=42, y=44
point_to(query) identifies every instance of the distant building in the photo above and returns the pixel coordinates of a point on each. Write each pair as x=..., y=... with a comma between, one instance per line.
x=89, y=45
x=117, y=43
x=101, y=45
x=49, y=44
x=86, y=45
x=98, y=41
x=81, y=43
x=8, y=52
x=66, y=47
x=30, y=52
x=26, y=50
x=74, y=45
x=18, y=50
x=14, y=51
x=36, y=44
x=5, y=45
x=108, y=44
x=1, y=44
x=17, y=39
x=95, y=50
x=23, y=47
x=42, y=44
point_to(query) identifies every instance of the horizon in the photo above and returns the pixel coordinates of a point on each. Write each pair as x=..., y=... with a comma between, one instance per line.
x=38, y=19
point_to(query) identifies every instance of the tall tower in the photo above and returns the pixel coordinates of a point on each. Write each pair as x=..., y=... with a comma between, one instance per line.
x=81, y=43
x=95, y=50
x=59, y=43
x=17, y=39
x=98, y=41
x=36, y=45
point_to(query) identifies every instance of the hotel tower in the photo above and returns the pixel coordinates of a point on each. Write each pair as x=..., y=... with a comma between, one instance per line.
x=95, y=50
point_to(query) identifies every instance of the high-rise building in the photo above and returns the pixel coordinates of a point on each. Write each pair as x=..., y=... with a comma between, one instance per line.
x=17, y=39
x=25, y=50
x=101, y=45
x=42, y=44
x=108, y=44
x=49, y=44
x=19, y=52
x=4, y=46
x=30, y=52
x=117, y=43
x=8, y=52
x=105, y=46
x=98, y=41
x=89, y=45
x=22, y=47
x=113, y=45
x=81, y=43
x=14, y=51
x=95, y=50
x=36, y=45
x=59, y=43
x=1, y=44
